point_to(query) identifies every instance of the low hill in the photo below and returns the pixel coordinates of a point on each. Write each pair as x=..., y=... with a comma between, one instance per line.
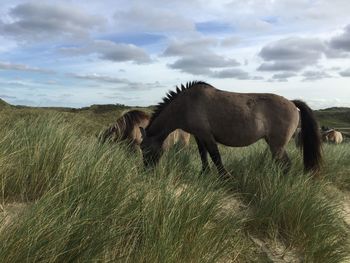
x=337, y=117
x=3, y=104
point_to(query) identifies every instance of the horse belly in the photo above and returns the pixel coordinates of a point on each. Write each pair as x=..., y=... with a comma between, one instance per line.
x=247, y=133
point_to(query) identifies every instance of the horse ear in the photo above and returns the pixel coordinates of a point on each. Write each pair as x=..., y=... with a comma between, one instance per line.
x=143, y=132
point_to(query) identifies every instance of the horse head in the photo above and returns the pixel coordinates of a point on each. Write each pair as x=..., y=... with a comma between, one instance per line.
x=151, y=149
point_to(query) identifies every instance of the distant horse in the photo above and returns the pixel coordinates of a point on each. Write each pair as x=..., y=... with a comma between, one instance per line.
x=127, y=129
x=234, y=119
x=332, y=136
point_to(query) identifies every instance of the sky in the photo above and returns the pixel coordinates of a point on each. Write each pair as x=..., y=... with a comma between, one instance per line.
x=76, y=53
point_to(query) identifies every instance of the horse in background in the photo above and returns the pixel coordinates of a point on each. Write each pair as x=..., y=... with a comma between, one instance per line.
x=332, y=136
x=127, y=129
x=234, y=119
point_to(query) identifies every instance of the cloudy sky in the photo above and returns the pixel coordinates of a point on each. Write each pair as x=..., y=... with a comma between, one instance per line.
x=77, y=53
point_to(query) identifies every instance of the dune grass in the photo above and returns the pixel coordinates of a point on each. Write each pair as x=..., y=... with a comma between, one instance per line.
x=295, y=207
x=95, y=203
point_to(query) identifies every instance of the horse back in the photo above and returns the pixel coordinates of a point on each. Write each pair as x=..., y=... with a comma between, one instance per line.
x=239, y=119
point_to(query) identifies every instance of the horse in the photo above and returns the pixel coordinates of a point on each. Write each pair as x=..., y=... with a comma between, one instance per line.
x=233, y=119
x=127, y=129
x=332, y=136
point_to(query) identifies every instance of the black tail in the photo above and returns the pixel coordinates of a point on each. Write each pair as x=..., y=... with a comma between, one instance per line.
x=310, y=138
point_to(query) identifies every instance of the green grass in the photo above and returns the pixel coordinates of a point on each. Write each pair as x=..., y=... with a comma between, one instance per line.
x=95, y=203
x=299, y=209
x=337, y=165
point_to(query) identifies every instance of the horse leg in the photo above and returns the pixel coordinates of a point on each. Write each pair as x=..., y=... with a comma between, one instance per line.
x=281, y=157
x=203, y=154
x=216, y=157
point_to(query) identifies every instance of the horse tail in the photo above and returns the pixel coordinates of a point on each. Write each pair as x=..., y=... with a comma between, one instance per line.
x=310, y=138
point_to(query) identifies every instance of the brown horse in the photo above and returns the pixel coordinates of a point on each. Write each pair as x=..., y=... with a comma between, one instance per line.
x=127, y=129
x=332, y=136
x=233, y=119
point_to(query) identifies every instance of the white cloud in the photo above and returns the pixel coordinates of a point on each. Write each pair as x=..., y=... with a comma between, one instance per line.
x=155, y=19
x=109, y=50
x=35, y=21
x=22, y=67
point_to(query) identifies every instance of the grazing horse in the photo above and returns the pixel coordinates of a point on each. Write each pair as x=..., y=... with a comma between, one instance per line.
x=332, y=136
x=127, y=129
x=234, y=119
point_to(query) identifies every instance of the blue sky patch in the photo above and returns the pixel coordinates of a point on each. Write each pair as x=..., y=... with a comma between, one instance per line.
x=271, y=19
x=214, y=27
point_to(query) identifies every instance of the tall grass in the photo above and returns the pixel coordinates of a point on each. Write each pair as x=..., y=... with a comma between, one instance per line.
x=95, y=203
x=294, y=206
x=30, y=155
x=337, y=164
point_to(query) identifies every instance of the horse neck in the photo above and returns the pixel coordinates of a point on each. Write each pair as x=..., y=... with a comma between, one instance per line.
x=165, y=123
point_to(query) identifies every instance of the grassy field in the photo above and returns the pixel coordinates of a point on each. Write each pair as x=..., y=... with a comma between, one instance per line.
x=79, y=201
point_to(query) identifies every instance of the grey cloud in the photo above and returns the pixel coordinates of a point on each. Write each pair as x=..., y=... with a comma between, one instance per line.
x=342, y=42
x=34, y=20
x=331, y=52
x=230, y=41
x=100, y=78
x=200, y=65
x=123, y=84
x=152, y=19
x=231, y=73
x=189, y=47
x=315, y=75
x=109, y=50
x=283, y=76
x=196, y=56
x=22, y=67
x=281, y=66
x=257, y=78
x=291, y=54
x=345, y=73
x=142, y=86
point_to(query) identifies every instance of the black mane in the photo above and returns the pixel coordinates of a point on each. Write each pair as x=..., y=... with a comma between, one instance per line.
x=170, y=96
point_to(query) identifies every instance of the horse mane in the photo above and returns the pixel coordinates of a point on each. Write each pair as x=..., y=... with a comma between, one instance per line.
x=170, y=96
x=124, y=125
